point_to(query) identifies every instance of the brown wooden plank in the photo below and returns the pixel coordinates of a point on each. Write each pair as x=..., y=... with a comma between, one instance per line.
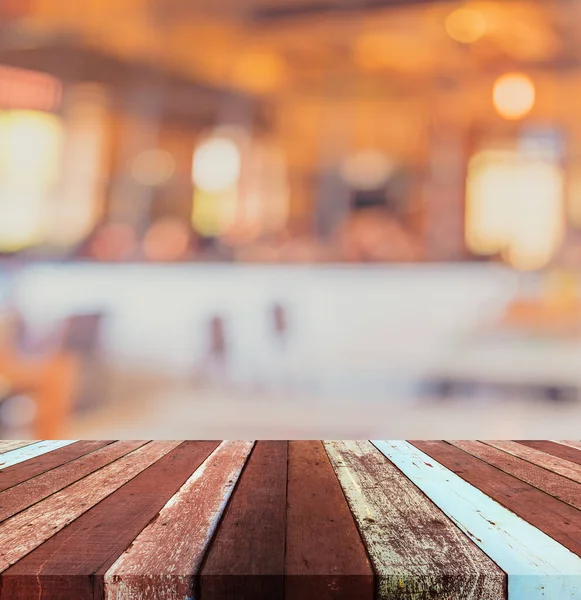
x=558, y=520
x=560, y=487
x=28, y=469
x=572, y=443
x=542, y=459
x=71, y=564
x=24, y=532
x=7, y=445
x=34, y=490
x=325, y=556
x=164, y=560
x=559, y=450
x=416, y=550
x=246, y=558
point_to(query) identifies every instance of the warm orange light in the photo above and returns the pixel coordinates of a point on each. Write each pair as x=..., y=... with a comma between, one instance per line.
x=514, y=95
x=167, y=240
x=114, y=241
x=465, y=25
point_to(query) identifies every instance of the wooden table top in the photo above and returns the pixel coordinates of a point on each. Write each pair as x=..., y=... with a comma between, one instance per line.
x=269, y=520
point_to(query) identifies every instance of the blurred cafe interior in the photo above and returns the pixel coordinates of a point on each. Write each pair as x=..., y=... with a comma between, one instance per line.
x=290, y=218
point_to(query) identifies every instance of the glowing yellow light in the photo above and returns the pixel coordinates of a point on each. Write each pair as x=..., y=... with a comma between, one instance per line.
x=465, y=25
x=30, y=155
x=214, y=213
x=513, y=95
x=216, y=165
x=515, y=208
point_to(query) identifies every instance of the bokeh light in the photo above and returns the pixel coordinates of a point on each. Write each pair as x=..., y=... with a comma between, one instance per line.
x=216, y=165
x=366, y=170
x=465, y=25
x=514, y=95
x=113, y=241
x=167, y=240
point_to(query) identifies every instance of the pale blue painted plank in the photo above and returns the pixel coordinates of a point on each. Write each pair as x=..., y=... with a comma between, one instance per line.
x=537, y=566
x=27, y=452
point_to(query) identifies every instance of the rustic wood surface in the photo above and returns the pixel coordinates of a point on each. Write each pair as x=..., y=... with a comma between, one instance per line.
x=411, y=542
x=246, y=558
x=306, y=520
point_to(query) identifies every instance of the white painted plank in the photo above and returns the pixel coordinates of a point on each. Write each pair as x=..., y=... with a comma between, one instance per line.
x=542, y=459
x=25, y=531
x=538, y=567
x=18, y=455
x=164, y=558
x=417, y=552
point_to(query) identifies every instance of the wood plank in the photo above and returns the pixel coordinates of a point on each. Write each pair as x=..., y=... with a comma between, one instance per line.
x=71, y=564
x=536, y=457
x=246, y=558
x=7, y=445
x=417, y=552
x=559, y=450
x=538, y=567
x=560, y=487
x=571, y=443
x=34, y=490
x=164, y=560
x=19, y=473
x=27, y=530
x=325, y=556
x=19, y=455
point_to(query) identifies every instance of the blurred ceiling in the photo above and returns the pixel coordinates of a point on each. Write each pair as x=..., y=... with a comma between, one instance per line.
x=270, y=47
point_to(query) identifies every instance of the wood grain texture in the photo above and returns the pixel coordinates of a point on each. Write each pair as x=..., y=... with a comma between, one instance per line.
x=246, y=557
x=537, y=566
x=19, y=473
x=558, y=520
x=560, y=487
x=19, y=455
x=6, y=445
x=165, y=559
x=325, y=556
x=536, y=457
x=27, y=530
x=71, y=564
x=559, y=450
x=34, y=490
x=417, y=552
x=571, y=443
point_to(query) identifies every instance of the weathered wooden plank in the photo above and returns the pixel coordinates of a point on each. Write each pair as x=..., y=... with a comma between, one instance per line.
x=7, y=445
x=19, y=455
x=537, y=565
x=547, y=461
x=34, y=490
x=560, y=487
x=325, y=556
x=571, y=443
x=19, y=473
x=246, y=557
x=559, y=450
x=71, y=564
x=417, y=552
x=24, y=532
x=165, y=558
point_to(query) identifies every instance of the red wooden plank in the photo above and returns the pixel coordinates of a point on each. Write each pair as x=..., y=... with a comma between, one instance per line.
x=16, y=474
x=246, y=558
x=27, y=530
x=34, y=490
x=559, y=450
x=163, y=562
x=562, y=488
x=71, y=564
x=560, y=521
x=325, y=557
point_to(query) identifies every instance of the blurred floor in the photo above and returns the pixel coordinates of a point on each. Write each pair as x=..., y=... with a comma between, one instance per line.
x=184, y=411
